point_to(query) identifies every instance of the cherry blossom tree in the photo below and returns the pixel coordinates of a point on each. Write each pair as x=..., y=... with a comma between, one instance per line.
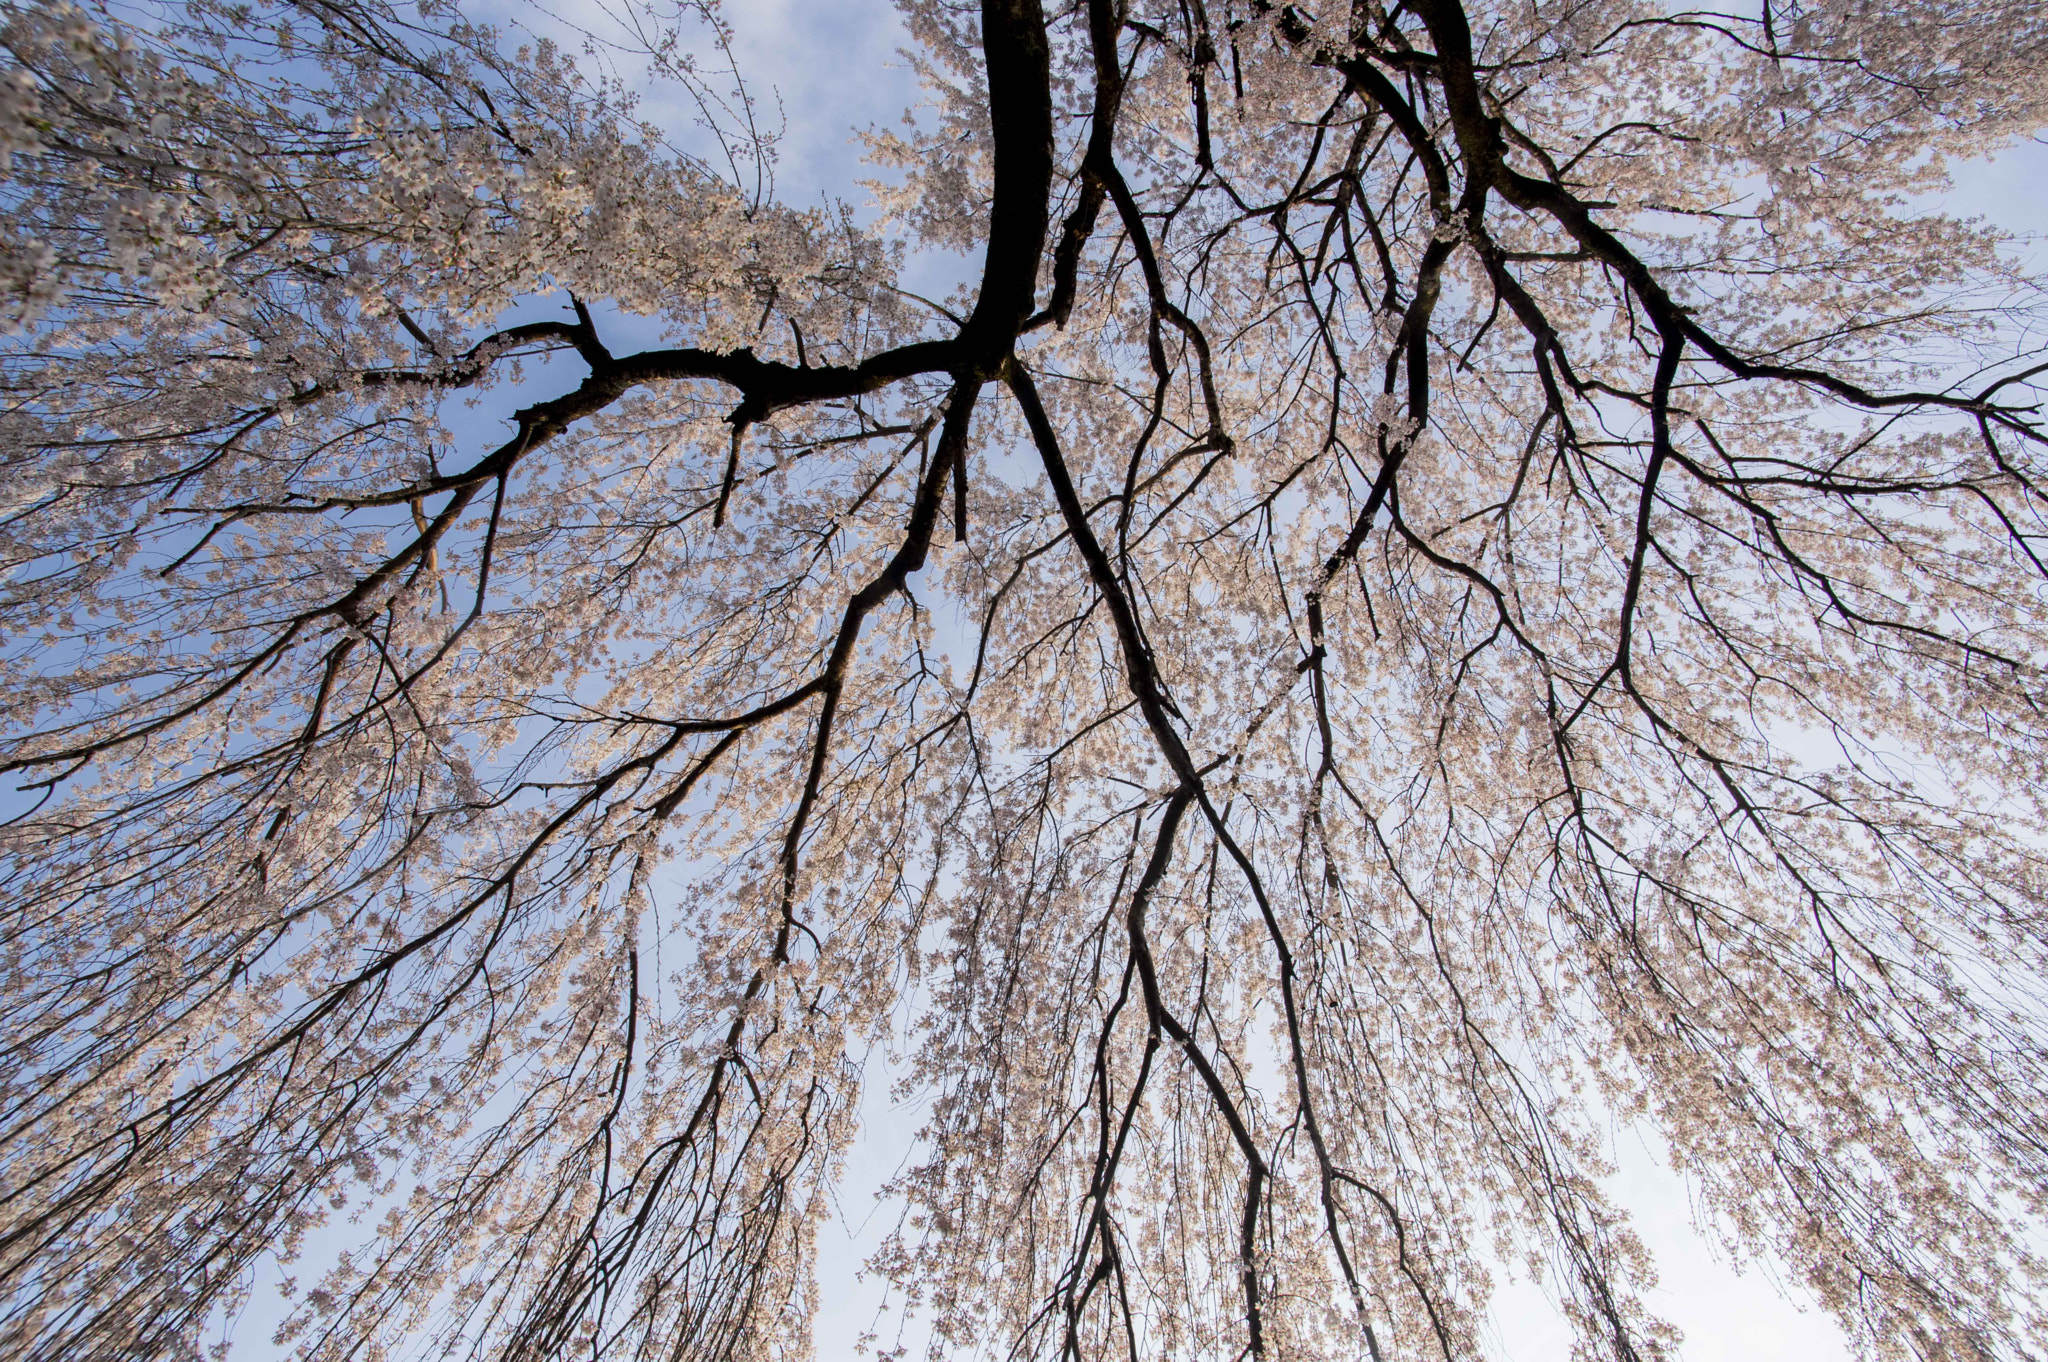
x=1462, y=571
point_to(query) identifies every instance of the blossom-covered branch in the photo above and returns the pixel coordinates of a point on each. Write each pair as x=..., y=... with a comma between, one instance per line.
x=1495, y=585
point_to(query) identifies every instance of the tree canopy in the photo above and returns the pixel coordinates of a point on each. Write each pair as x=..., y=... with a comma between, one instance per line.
x=1461, y=571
